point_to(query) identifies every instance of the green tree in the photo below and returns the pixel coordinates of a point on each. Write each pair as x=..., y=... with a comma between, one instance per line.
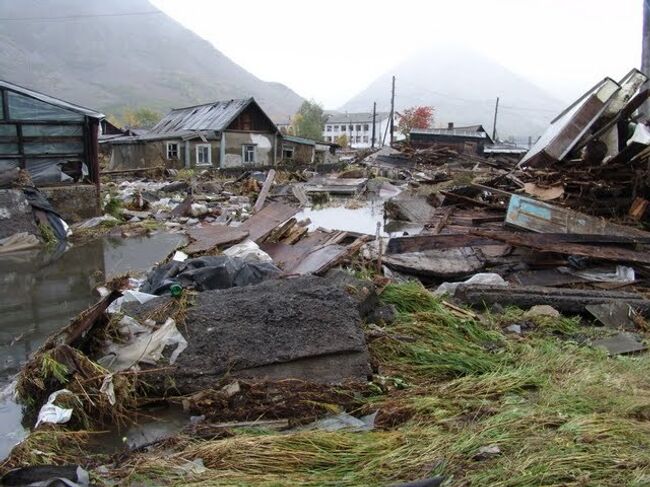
x=342, y=140
x=309, y=121
x=142, y=117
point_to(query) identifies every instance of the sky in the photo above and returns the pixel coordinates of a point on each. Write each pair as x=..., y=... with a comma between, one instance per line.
x=329, y=50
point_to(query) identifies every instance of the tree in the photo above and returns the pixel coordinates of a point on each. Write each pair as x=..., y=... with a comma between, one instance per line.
x=142, y=117
x=418, y=117
x=342, y=140
x=309, y=121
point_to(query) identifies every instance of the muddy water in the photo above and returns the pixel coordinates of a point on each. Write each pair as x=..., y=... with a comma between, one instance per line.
x=41, y=291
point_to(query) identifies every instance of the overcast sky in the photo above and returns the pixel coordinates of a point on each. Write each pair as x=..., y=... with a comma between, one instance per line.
x=330, y=50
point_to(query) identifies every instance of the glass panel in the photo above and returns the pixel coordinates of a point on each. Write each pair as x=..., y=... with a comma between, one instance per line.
x=73, y=147
x=8, y=148
x=25, y=108
x=47, y=171
x=6, y=164
x=8, y=130
x=51, y=130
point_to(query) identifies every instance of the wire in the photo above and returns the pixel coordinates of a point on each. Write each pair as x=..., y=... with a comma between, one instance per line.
x=75, y=17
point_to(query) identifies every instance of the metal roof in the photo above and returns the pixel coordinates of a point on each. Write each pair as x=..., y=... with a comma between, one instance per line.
x=209, y=117
x=472, y=131
x=51, y=100
x=298, y=140
x=361, y=117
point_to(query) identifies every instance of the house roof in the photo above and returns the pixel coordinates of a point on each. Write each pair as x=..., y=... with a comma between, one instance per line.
x=51, y=100
x=190, y=122
x=361, y=117
x=214, y=116
x=470, y=131
x=298, y=140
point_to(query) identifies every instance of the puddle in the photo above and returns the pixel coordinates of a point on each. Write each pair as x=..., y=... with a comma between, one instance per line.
x=41, y=291
x=356, y=215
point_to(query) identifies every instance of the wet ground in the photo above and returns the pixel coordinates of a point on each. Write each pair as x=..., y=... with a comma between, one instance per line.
x=41, y=291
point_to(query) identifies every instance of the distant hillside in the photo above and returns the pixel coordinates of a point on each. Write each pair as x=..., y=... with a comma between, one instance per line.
x=463, y=85
x=112, y=62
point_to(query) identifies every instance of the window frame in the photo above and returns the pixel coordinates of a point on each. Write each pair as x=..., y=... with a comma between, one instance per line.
x=244, y=148
x=288, y=148
x=168, y=146
x=328, y=128
x=197, y=147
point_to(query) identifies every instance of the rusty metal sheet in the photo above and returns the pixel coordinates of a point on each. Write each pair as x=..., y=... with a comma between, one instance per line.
x=262, y=223
x=209, y=237
x=537, y=216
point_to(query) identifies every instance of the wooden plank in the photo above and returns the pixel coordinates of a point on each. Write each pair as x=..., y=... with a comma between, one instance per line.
x=262, y=223
x=422, y=242
x=266, y=187
x=210, y=237
x=541, y=217
x=615, y=254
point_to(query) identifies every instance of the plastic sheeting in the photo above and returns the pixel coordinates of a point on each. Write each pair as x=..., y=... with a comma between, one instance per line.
x=52, y=130
x=51, y=413
x=249, y=251
x=26, y=108
x=146, y=347
x=44, y=171
x=209, y=272
x=486, y=278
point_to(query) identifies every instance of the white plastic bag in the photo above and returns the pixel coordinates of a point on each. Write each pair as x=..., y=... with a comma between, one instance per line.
x=485, y=278
x=50, y=413
x=249, y=251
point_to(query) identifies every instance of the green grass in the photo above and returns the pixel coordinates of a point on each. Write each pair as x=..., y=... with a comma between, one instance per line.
x=561, y=413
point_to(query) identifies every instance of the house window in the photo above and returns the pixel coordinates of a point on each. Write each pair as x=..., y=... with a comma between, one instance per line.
x=336, y=128
x=358, y=128
x=366, y=127
x=365, y=139
x=328, y=139
x=329, y=128
x=203, y=154
x=172, y=150
x=248, y=153
x=351, y=128
x=287, y=152
x=358, y=139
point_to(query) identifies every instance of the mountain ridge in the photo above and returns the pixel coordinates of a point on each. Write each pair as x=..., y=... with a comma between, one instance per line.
x=123, y=54
x=462, y=85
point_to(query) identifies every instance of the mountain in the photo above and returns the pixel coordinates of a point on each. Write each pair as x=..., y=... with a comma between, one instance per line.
x=463, y=86
x=113, y=54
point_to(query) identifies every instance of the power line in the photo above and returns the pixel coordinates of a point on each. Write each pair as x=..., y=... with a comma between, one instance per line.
x=75, y=17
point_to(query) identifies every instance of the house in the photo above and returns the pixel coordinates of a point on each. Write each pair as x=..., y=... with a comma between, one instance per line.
x=57, y=143
x=222, y=134
x=307, y=151
x=468, y=140
x=357, y=127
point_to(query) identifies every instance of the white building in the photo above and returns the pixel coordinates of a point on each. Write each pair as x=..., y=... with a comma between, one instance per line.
x=358, y=129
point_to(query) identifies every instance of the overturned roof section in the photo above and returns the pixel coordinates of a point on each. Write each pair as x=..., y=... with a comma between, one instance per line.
x=51, y=100
x=212, y=116
x=362, y=117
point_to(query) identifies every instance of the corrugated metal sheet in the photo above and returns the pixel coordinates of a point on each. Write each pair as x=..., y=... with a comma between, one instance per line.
x=455, y=132
x=51, y=100
x=210, y=117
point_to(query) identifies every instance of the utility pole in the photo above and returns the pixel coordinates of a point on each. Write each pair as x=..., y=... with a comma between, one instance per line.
x=645, y=52
x=494, y=126
x=392, y=112
x=374, y=116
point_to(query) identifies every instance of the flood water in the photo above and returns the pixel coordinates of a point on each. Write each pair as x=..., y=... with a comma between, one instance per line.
x=357, y=215
x=40, y=291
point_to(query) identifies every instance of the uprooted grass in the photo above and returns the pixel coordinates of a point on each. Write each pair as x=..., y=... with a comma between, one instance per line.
x=561, y=413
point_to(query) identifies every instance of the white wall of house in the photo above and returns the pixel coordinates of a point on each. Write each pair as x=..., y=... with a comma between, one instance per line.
x=360, y=136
